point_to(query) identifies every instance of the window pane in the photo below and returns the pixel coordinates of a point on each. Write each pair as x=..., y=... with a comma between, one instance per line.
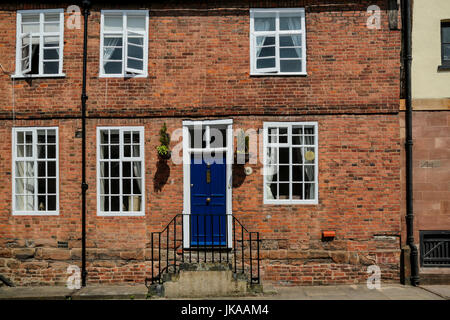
x=126, y=203
x=291, y=53
x=290, y=65
x=136, y=40
x=115, y=188
x=297, y=191
x=115, y=169
x=112, y=41
x=447, y=52
x=135, y=51
x=283, y=173
x=290, y=23
x=51, y=54
x=20, y=186
x=41, y=168
x=30, y=18
x=51, y=166
x=114, y=151
x=20, y=151
x=28, y=137
x=135, y=64
x=104, y=169
x=112, y=68
x=297, y=173
x=126, y=168
x=112, y=54
x=30, y=28
x=114, y=137
x=136, y=23
x=283, y=191
x=20, y=203
x=290, y=41
x=126, y=186
x=265, y=52
x=51, y=27
x=309, y=191
x=104, y=137
x=51, y=42
x=137, y=169
x=51, y=203
x=309, y=173
x=265, y=63
x=113, y=23
x=104, y=203
x=51, y=136
x=20, y=136
x=51, y=17
x=265, y=41
x=284, y=155
x=115, y=203
x=264, y=24
x=309, y=155
x=127, y=151
x=51, y=67
x=41, y=151
x=51, y=185
x=51, y=151
x=42, y=186
x=446, y=33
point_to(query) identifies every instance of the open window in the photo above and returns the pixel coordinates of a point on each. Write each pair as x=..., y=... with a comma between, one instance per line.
x=277, y=38
x=39, y=42
x=124, y=43
x=26, y=50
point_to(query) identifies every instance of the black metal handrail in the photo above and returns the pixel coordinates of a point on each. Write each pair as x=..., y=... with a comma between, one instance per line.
x=204, y=244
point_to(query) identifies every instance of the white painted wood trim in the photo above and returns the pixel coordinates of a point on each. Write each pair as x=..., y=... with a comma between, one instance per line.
x=187, y=179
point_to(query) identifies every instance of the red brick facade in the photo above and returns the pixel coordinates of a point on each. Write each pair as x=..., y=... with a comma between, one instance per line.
x=199, y=68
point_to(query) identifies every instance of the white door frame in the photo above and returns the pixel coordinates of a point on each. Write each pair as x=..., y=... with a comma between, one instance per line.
x=187, y=151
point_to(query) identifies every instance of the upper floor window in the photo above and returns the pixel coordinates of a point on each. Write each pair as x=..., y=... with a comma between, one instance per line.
x=277, y=41
x=35, y=170
x=290, y=163
x=39, y=42
x=124, y=43
x=445, y=43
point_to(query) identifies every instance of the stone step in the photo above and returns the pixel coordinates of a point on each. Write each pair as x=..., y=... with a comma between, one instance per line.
x=203, y=280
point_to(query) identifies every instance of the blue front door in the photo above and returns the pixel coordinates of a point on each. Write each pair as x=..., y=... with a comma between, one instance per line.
x=208, y=201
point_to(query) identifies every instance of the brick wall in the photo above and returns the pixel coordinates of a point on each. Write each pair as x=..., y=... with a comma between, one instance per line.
x=199, y=67
x=359, y=198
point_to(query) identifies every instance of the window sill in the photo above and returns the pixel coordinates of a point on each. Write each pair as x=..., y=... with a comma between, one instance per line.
x=123, y=214
x=36, y=213
x=291, y=202
x=32, y=76
x=444, y=68
x=123, y=76
x=282, y=74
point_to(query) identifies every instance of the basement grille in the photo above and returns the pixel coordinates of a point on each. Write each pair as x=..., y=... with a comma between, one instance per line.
x=435, y=248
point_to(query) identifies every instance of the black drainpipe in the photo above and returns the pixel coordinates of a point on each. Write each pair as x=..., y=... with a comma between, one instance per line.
x=406, y=14
x=84, y=186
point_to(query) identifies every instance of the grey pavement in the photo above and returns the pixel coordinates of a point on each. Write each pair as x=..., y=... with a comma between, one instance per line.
x=340, y=292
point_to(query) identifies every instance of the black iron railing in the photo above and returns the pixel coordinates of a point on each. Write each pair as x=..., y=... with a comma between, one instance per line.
x=193, y=239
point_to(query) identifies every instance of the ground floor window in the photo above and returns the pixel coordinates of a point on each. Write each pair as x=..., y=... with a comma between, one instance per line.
x=290, y=162
x=120, y=170
x=35, y=170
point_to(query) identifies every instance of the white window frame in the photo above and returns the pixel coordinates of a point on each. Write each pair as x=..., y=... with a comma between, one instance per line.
x=121, y=159
x=266, y=144
x=124, y=34
x=253, y=34
x=34, y=159
x=41, y=35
